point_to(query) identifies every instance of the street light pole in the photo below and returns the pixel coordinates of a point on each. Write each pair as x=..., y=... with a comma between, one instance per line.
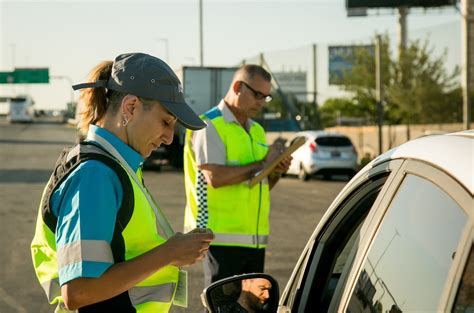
x=167, y=56
x=467, y=60
x=201, y=53
x=402, y=30
x=379, y=89
x=12, y=46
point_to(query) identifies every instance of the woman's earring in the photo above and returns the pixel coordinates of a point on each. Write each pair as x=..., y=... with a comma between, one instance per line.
x=125, y=121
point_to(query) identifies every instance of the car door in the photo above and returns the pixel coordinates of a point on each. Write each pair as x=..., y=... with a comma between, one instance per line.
x=340, y=268
x=415, y=248
x=330, y=251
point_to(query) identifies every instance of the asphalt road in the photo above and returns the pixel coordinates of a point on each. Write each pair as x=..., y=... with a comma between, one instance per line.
x=27, y=155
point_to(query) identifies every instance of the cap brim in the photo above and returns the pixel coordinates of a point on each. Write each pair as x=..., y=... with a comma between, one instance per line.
x=185, y=115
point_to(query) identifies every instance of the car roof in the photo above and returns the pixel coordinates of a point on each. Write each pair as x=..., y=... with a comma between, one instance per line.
x=453, y=153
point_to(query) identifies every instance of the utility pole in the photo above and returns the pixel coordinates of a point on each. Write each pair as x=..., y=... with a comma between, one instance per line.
x=201, y=53
x=467, y=13
x=378, y=88
x=315, y=85
x=402, y=30
x=261, y=60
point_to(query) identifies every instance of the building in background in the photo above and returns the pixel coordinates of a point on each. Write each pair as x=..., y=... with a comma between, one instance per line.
x=293, y=83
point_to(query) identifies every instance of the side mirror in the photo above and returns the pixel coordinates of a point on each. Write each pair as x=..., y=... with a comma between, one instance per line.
x=252, y=293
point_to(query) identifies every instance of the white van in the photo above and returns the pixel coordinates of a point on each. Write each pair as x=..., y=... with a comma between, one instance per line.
x=21, y=109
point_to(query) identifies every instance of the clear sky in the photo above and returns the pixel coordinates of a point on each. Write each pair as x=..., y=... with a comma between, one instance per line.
x=70, y=37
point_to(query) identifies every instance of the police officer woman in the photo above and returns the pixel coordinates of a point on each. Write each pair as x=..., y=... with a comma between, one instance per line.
x=101, y=243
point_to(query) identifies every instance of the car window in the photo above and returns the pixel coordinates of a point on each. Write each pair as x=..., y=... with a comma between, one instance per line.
x=331, y=254
x=333, y=141
x=409, y=260
x=465, y=297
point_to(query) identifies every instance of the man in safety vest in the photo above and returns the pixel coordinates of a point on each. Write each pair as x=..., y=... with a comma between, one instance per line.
x=218, y=163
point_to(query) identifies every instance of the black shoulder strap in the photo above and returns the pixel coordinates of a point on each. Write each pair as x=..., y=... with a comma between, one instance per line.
x=68, y=161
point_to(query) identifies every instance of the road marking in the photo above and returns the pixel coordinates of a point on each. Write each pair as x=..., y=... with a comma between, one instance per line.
x=4, y=297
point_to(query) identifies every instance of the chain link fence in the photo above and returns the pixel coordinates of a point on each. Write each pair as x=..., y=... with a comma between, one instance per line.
x=301, y=77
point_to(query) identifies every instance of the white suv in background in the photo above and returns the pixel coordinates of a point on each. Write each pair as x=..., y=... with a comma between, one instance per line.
x=323, y=153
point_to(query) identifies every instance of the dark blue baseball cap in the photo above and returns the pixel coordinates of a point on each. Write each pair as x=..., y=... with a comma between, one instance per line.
x=149, y=77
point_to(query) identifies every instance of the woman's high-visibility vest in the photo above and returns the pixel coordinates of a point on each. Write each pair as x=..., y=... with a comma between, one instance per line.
x=237, y=214
x=135, y=233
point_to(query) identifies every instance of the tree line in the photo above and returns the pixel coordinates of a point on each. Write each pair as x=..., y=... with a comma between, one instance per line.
x=417, y=89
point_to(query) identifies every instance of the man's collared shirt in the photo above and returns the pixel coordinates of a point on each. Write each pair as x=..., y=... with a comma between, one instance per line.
x=86, y=205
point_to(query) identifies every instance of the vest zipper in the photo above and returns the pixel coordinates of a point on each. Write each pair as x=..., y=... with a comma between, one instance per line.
x=259, y=192
x=259, y=206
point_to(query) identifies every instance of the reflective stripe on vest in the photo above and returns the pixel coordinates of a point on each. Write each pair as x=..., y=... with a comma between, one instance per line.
x=85, y=250
x=52, y=289
x=241, y=239
x=61, y=308
x=158, y=293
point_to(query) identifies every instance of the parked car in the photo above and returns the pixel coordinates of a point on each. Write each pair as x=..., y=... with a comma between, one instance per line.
x=398, y=238
x=323, y=153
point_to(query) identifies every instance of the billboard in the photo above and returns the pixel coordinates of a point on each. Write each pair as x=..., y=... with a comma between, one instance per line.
x=396, y=3
x=341, y=59
x=293, y=82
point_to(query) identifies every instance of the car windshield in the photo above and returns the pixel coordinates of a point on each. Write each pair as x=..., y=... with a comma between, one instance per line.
x=333, y=141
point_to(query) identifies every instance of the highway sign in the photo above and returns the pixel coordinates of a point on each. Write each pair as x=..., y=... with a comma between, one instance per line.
x=341, y=59
x=25, y=76
x=6, y=78
x=397, y=3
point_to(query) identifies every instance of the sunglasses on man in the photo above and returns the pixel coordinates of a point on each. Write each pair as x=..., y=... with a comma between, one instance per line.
x=257, y=94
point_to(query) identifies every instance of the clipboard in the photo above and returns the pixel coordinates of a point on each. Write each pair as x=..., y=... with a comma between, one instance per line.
x=267, y=170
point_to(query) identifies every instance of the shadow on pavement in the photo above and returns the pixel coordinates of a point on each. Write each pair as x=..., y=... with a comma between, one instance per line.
x=36, y=142
x=24, y=175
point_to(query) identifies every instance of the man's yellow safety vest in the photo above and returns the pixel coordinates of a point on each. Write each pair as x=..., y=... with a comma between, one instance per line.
x=237, y=214
x=135, y=233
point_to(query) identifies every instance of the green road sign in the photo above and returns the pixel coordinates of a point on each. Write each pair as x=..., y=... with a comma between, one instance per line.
x=6, y=78
x=25, y=76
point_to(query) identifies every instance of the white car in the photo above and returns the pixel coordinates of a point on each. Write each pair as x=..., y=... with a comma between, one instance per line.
x=323, y=153
x=398, y=238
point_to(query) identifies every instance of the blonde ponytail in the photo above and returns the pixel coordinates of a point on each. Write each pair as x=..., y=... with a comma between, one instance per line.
x=94, y=100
